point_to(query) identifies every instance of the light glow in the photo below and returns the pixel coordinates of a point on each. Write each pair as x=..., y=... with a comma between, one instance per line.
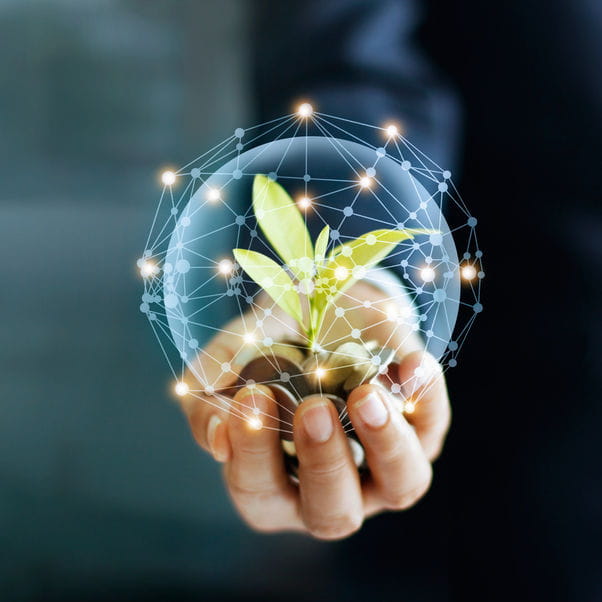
x=409, y=407
x=341, y=273
x=304, y=203
x=305, y=110
x=365, y=182
x=320, y=372
x=148, y=269
x=249, y=338
x=392, y=131
x=225, y=266
x=213, y=194
x=255, y=423
x=427, y=274
x=468, y=272
x=168, y=178
x=181, y=389
x=392, y=311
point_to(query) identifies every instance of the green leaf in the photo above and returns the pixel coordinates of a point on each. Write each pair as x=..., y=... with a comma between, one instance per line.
x=350, y=261
x=409, y=233
x=283, y=225
x=272, y=279
x=321, y=244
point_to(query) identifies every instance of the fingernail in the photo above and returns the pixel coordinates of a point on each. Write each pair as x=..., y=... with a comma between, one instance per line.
x=317, y=422
x=212, y=425
x=372, y=410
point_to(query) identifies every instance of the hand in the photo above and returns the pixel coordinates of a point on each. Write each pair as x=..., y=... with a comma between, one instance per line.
x=331, y=500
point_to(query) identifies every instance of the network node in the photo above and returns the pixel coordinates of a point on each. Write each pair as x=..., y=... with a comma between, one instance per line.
x=468, y=272
x=304, y=203
x=148, y=269
x=427, y=274
x=182, y=389
x=392, y=131
x=255, y=423
x=213, y=194
x=225, y=266
x=305, y=110
x=168, y=178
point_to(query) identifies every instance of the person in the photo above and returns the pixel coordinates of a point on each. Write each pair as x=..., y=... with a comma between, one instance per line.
x=104, y=494
x=521, y=493
x=330, y=501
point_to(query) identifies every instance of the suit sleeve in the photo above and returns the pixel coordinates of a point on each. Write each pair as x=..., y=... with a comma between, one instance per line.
x=355, y=59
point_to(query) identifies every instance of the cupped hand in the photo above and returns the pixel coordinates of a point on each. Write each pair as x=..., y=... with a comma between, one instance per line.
x=331, y=499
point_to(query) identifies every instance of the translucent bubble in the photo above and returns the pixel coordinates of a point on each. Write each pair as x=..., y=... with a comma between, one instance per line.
x=202, y=290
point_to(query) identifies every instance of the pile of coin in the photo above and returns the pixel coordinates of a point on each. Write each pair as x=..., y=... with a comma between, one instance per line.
x=293, y=373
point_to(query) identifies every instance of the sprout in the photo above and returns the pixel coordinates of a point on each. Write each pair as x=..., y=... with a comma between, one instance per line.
x=331, y=275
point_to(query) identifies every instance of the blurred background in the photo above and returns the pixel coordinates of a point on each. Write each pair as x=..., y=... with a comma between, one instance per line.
x=103, y=493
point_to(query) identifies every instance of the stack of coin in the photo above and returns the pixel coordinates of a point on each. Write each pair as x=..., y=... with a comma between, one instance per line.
x=293, y=373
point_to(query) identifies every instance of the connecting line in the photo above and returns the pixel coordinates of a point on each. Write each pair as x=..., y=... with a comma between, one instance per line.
x=185, y=279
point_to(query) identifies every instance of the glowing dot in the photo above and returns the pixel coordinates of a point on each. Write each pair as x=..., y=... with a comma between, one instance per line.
x=148, y=269
x=168, y=178
x=341, y=273
x=225, y=266
x=255, y=423
x=359, y=272
x=427, y=274
x=391, y=311
x=305, y=110
x=409, y=407
x=249, y=338
x=392, y=131
x=320, y=372
x=304, y=203
x=365, y=182
x=468, y=272
x=181, y=389
x=213, y=194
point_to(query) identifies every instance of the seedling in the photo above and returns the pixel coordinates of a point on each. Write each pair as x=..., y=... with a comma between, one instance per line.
x=308, y=274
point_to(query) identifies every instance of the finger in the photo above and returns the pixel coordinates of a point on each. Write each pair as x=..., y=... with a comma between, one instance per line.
x=399, y=468
x=256, y=477
x=329, y=486
x=205, y=408
x=427, y=403
x=208, y=417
